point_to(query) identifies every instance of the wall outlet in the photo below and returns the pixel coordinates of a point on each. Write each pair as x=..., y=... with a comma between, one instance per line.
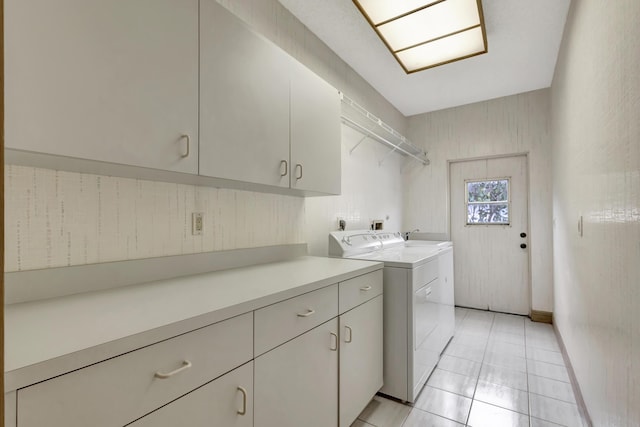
x=197, y=223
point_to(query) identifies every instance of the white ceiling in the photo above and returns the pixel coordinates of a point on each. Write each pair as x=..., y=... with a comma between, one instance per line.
x=523, y=37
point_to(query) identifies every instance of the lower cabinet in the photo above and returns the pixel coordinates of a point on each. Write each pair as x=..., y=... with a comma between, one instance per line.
x=296, y=384
x=122, y=389
x=314, y=360
x=226, y=401
x=360, y=358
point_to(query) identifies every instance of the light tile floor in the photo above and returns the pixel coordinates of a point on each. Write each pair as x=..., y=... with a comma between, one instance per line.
x=498, y=370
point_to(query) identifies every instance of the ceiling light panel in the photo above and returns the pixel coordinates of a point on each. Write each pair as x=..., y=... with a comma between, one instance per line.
x=443, y=51
x=425, y=33
x=442, y=19
x=380, y=11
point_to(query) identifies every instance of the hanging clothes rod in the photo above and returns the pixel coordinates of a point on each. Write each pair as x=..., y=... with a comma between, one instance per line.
x=374, y=135
x=357, y=117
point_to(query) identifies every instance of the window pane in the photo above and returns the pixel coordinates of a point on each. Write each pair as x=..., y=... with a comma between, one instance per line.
x=488, y=191
x=484, y=213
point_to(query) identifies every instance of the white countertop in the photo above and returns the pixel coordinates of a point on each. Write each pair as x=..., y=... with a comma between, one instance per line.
x=50, y=337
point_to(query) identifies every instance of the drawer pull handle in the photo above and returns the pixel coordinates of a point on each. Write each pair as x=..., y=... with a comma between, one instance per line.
x=186, y=137
x=185, y=365
x=286, y=167
x=366, y=288
x=350, y=334
x=242, y=390
x=334, y=347
x=309, y=312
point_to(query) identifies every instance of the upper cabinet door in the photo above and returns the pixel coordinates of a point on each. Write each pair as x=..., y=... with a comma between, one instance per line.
x=244, y=101
x=315, y=133
x=115, y=80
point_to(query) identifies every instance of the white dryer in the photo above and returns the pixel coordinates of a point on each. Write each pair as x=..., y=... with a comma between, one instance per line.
x=419, y=316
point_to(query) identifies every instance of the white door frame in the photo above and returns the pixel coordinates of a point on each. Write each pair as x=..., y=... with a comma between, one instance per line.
x=528, y=231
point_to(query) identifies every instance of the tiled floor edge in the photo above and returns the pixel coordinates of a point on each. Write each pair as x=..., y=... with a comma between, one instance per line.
x=582, y=407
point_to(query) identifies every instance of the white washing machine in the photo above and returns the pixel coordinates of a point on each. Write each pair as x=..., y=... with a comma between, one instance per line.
x=419, y=316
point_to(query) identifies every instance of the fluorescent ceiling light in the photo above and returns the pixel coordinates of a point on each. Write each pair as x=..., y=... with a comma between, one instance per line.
x=424, y=33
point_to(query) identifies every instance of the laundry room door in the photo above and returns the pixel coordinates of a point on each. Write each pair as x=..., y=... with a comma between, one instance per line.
x=490, y=232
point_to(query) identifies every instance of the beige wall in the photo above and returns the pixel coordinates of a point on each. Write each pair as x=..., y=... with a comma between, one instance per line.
x=369, y=191
x=596, y=175
x=59, y=218
x=513, y=124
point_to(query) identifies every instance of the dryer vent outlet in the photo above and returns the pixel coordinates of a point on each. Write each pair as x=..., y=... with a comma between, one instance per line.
x=377, y=224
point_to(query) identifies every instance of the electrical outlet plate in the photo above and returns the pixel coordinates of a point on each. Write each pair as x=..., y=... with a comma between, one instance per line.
x=196, y=223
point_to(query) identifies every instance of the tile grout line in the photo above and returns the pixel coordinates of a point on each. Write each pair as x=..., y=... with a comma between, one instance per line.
x=526, y=366
x=486, y=346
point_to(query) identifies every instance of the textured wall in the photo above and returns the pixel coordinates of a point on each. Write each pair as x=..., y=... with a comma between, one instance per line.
x=56, y=219
x=59, y=218
x=369, y=191
x=513, y=124
x=596, y=174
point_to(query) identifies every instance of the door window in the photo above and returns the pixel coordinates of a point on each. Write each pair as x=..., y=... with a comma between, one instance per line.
x=487, y=201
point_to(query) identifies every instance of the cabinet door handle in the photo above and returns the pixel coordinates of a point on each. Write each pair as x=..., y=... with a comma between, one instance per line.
x=334, y=347
x=242, y=390
x=366, y=288
x=185, y=365
x=299, y=166
x=185, y=136
x=286, y=167
x=309, y=312
x=350, y=334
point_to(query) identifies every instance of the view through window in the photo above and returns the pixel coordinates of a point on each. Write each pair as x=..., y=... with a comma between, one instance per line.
x=488, y=201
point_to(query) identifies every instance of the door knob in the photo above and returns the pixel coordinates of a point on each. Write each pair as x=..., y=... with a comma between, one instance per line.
x=523, y=235
x=523, y=245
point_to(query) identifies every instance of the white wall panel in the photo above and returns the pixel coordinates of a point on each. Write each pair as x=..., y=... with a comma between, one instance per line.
x=513, y=124
x=596, y=175
x=369, y=191
x=56, y=219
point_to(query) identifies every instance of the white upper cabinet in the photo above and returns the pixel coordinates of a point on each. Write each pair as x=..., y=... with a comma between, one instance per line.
x=114, y=81
x=169, y=85
x=244, y=101
x=264, y=117
x=315, y=133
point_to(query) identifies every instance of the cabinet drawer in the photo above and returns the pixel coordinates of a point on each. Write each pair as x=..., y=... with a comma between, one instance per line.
x=280, y=322
x=225, y=402
x=358, y=290
x=425, y=273
x=119, y=390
